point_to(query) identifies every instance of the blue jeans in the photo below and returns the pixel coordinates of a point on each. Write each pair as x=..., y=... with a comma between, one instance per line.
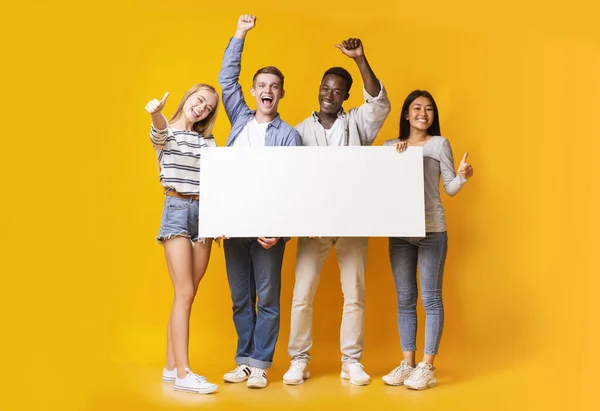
x=252, y=271
x=429, y=253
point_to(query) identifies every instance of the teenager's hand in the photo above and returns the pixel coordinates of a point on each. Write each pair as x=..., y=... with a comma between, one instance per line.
x=352, y=48
x=401, y=146
x=246, y=22
x=267, y=242
x=464, y=168
x=155, y=106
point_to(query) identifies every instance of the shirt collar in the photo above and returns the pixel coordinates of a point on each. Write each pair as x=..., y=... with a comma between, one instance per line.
x=340, y=114
x=276, y=122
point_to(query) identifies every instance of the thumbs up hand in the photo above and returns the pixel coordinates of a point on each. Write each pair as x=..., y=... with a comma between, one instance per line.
x=464, y=168
x=155, y=106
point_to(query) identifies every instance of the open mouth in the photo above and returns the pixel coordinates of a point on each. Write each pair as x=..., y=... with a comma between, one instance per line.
x=267, y=101
x=196, y=112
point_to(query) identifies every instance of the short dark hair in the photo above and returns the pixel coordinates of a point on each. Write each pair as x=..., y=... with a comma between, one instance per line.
x=434, y=128
x=340, y=72
x=269, y=70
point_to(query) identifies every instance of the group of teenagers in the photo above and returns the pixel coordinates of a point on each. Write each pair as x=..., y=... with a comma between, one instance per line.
x=254, y=264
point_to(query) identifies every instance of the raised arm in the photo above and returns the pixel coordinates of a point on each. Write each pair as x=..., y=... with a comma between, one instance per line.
x=353, y=48
x=370, y=115
x=158, y=132
x=233, y=97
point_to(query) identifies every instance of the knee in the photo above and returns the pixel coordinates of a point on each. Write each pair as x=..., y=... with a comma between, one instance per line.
x=268, y=299
x=432, y=302
x=185, y=296
x=303, y=296
x=407, y=299
x=354, y=297
x=269, y=308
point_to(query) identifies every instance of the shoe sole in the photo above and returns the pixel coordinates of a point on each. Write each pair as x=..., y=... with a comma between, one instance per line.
x=234, y=381
x=393, y=384
x=429, y=385
x=306, y=376
x=196, y=391
x=256, y=386
x=345, y=376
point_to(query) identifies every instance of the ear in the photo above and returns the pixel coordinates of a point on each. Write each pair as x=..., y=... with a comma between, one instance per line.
x=252, y=91
x=347, y=96
x=282, y=94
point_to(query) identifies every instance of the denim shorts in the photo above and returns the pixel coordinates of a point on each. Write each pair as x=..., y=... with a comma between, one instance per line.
x=179, y=218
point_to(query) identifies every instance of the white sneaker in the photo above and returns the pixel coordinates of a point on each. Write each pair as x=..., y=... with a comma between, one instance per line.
x=398, y=375
x=258, y=378
x=194, y=383
x=297, y=373
x=355, y=373
x=422, y=377
x=169, y=376
x=241, y=373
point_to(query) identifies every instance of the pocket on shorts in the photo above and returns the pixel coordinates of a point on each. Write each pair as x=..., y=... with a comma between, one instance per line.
x=177, y=204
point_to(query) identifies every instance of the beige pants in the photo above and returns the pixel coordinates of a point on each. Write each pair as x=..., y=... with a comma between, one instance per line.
x=352, y=259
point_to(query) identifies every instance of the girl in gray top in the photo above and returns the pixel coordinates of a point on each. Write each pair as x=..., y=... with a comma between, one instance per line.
x=420, y=126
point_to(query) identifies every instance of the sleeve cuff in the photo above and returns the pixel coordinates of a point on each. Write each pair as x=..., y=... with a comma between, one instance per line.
x=369, y=98
x=160, y=131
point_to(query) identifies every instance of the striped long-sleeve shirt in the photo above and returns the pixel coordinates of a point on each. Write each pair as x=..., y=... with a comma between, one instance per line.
x=178, y=154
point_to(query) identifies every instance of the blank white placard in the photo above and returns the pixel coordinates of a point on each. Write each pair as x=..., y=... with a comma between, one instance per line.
x=311, y=191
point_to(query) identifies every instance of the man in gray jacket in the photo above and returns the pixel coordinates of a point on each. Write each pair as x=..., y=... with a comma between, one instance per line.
x=332, y=126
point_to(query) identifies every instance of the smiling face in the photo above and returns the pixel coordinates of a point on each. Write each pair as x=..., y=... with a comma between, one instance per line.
x=268, y=90
x=199, y=105
x=420, y=114
x=332, y=94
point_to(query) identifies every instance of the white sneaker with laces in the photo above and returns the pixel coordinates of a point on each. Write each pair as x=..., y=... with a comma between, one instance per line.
x=258, y=378
x=297, y=373
x=398, y=375
x=194, y=383
x=169, y=375
x=422, y=377
x=355, y=373
x=241, y=373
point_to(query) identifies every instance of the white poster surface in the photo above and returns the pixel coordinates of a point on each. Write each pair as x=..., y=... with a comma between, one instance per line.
x=311, y=191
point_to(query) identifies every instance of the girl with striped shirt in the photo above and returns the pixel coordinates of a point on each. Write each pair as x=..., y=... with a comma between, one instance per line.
x=178, y=144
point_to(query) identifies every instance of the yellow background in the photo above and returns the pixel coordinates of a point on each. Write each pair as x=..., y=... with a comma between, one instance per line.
x=85, y=293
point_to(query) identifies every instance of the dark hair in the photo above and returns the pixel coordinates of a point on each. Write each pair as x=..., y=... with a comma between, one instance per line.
x=340, y=72
x=269, y=70
x=433, y=130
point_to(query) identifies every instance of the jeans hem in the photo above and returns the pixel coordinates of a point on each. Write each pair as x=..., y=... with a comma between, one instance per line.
x=260, y=364
x=242, y=360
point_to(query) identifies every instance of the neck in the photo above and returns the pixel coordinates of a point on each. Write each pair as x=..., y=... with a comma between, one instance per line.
x=264, y=118
x=183, y=124
x=326, y=118
x=417, y=135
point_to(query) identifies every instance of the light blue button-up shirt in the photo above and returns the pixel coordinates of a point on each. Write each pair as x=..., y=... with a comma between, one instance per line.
x=279, y=133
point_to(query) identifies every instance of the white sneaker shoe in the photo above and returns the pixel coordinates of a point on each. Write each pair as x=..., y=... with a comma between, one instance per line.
x=355, y=373
x=241, y=373
x=194, y=383
x=169, y=376
x=297, y=373
x=398, y=375
x=258, y=378
x=422, y=377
